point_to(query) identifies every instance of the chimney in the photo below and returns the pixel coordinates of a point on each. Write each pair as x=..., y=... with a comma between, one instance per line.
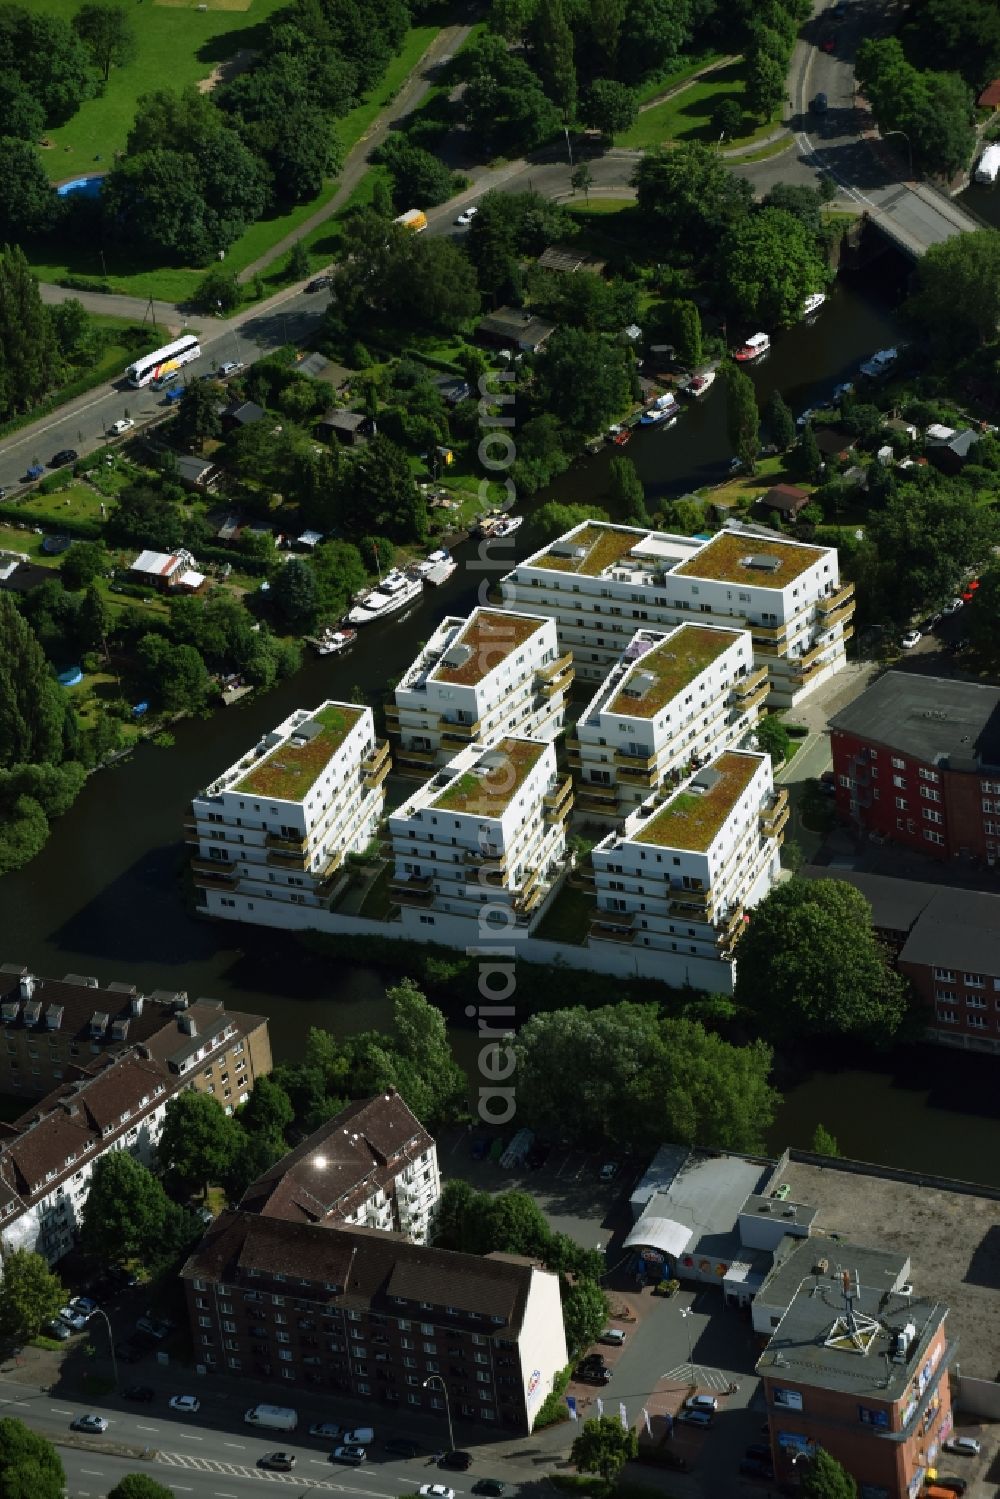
x=135, y=1004
x=27, y=985
x=187, y=1024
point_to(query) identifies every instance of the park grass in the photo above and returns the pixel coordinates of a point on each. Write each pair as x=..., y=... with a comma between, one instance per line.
x=663, y=84
x=177, y=283
x=688, y=115
x=177, y=46
x=773, y=148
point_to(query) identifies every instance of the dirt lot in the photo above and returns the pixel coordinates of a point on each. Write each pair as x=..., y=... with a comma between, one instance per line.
x=953, y=1241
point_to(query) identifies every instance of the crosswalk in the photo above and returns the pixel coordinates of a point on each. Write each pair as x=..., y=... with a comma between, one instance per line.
x=712, y=1379
x=239, y=1470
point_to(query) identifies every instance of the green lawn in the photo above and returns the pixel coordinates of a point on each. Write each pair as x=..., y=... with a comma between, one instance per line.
x=653, y=87
x=177, y=44
x=569, y=916
x=175, y=283
x=688, y=116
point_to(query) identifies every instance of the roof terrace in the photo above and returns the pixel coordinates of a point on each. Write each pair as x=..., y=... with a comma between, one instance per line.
x=289, y=770
x=694, y=817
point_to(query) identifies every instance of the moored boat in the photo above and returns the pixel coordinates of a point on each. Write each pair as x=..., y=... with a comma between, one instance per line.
x=755, y=347
x=700, y=385
x=506, y=526
x=332, y=641
x=395, y=591
x=623, y=437
x=812, y=303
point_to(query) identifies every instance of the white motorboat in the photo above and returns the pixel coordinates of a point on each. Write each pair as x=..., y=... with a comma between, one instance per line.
x=395, y=591
x=755, y=347
x=700, y=385
x=505, y=526
x=442, y=565
x=662, y=409
x=332, y=641
x=880, y=363
x=813, y=303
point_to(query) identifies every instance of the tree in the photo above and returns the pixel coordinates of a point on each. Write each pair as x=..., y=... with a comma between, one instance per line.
x=27, y=202
x=585, y=1312
x=727, y=117
x=418, y=175
x=773, y=739
x=824, y=1478
x=553, y=519
x=298, y=261
x=807, y=459
x=742, y=416
x=935, y=110
x=584, y=379
x=29, y=1465
x=626, y=493
x=823, y=1143
x=604, y=1446
x=811, y=964
x=82, y=563
x=765, y=85
x=688, y=198
x=125, y=1211
x=108, y=35
x=379, y=493
x=30, y=1295
x=504, y=103
x=139, y=1486
x=339, y=573
x=581, y=180
x=956, y=296
x=21, y=115
x=24, y=832
x=552, y=52
x=268, y=1111
x=433, y=285
x=770, y=263
x=802, y=202
x=610, y=107
x=32, y=713
x=779, y=422
x=217, y=291
x=685, y=327
x=198, y=413
x=93, y=621
x=29, y=355
x=421, y=1040
x=146, y=517
x=50, y=60
x=198, y=1142
x=175, y=675
x=927, y=536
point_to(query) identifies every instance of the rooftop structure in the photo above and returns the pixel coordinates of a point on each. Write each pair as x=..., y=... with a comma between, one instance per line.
x=480, y=679
x=693, y=817
x=599, y=580
x=272, y=832
x=937, y=720
x=660, y=674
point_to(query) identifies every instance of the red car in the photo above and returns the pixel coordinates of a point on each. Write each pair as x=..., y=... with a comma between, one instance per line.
x=827, y=44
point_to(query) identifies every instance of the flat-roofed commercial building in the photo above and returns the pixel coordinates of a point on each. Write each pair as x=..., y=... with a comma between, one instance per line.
x=601, y=582
x=670, y=703
x=274, y=829
x=489, y=828
x=681, y=873
x=480, y=679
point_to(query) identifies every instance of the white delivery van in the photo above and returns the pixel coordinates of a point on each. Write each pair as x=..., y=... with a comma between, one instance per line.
x=272, y=1417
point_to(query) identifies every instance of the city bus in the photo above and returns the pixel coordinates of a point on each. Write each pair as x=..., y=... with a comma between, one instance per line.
x=162, y=363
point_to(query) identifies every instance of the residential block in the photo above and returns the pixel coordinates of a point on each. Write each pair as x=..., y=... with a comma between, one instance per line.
x=601, y=582
x=276, y=827
x=479, y=679
x=672, y=701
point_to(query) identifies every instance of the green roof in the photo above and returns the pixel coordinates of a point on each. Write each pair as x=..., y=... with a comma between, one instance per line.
x=726, y=558
x=673, y=665
x=489, y=793
x=692, y=819
x=604, y=546
x=491, y=635
x=287, y=774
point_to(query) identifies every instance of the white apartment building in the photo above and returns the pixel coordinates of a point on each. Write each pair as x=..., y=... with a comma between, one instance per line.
x=494, y=674
x=276, y=826
x=672, y=702
x=490, y=827
x=602, y=582
x=682, y=872
x=373, y=1165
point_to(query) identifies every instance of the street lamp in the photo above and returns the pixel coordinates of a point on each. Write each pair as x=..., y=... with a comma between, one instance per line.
x=909, y=149
x=687, y=1311
x=447, y=1406
x=111, y=1341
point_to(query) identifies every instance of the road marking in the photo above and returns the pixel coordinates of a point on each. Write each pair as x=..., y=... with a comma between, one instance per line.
x=222, y=1494
x=189, y=1436
x=140, y=1427
x=57, y=1412
x=241, y=1445
x=91, y=1472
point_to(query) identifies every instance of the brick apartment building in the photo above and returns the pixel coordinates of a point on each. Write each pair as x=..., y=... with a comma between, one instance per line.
x=857, y=1364
x=917, y=762
x=54, y=1028
x=108, y=1062
x=364, y=1312
x=946, y=941
x=373, y=1165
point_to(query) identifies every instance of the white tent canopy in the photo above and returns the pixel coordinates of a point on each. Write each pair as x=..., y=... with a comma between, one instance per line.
x=665, y=1234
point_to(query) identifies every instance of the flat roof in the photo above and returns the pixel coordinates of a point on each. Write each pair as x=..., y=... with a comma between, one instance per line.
x=659, y=674
x=488, y=637
x=693, y=817
x=487, y=788
x=896, y=904
x=935, y=719
x=591, y=550
x=704, y=1195
x=735, y=557
x=957, y=929
x=287, y=773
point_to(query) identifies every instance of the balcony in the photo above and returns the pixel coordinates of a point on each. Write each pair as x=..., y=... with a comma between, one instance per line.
x=612, y=926
x=808, y=657
x=326, y=878
x=573, y=755
x=391, y=711
x=463, y=733
x=597, y=791
x=406, y=756
x=774, y=817
x=775, y=633
x=411, y=890
x=376, y=766
x=635, y=777
x=635, y=762
x=582, y=878
x=556, y=668
x=801, y=674
x=207, y=882
x=749, y=685
x=213, y=866
x=835, y=601
x=284, y=845
x=191, y=831
x=558, y=802
x=298, y=862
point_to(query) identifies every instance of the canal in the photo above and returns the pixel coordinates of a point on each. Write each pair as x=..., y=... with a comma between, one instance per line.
x=105, y=896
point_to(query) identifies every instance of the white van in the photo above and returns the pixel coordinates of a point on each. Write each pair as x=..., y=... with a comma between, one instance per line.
x=272, y=1417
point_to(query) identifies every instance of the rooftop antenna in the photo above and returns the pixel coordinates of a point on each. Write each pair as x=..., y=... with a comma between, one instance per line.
x=853, y=1331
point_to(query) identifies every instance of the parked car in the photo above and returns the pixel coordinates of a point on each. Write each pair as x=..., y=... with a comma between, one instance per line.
x=58, y=1330
x=609, y=1171
x=952, y=606
x=361, y=1436
x=910, y=639
x=187, y=1404
x=64, y=456
x=153, y=1327
x=460, y=1461
x=403, y=1447
x=436, y=1491
x=963, y=1446
x=231, y=367
x=352, y=1456
x=952, y=1484
x=277, y=1462
x=613, y=1335
x=465, y=218
x=121, y=426
x=329, y=1429
x=820, y=104
x=538, y=1154
x=141, y=1392
x=34, y=471
x=85, y=1305
x=492, y=1488
x=694, y=1418
x=592, y=1374
x=73, y=1318
x=701, y=1403
x=89, y=1423
x=319, y=283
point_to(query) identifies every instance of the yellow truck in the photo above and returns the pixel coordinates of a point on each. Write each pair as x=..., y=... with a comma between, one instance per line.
x=413, y=219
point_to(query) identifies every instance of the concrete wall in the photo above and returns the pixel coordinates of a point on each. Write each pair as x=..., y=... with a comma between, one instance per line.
x=617, y=961
x=978, y=1397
